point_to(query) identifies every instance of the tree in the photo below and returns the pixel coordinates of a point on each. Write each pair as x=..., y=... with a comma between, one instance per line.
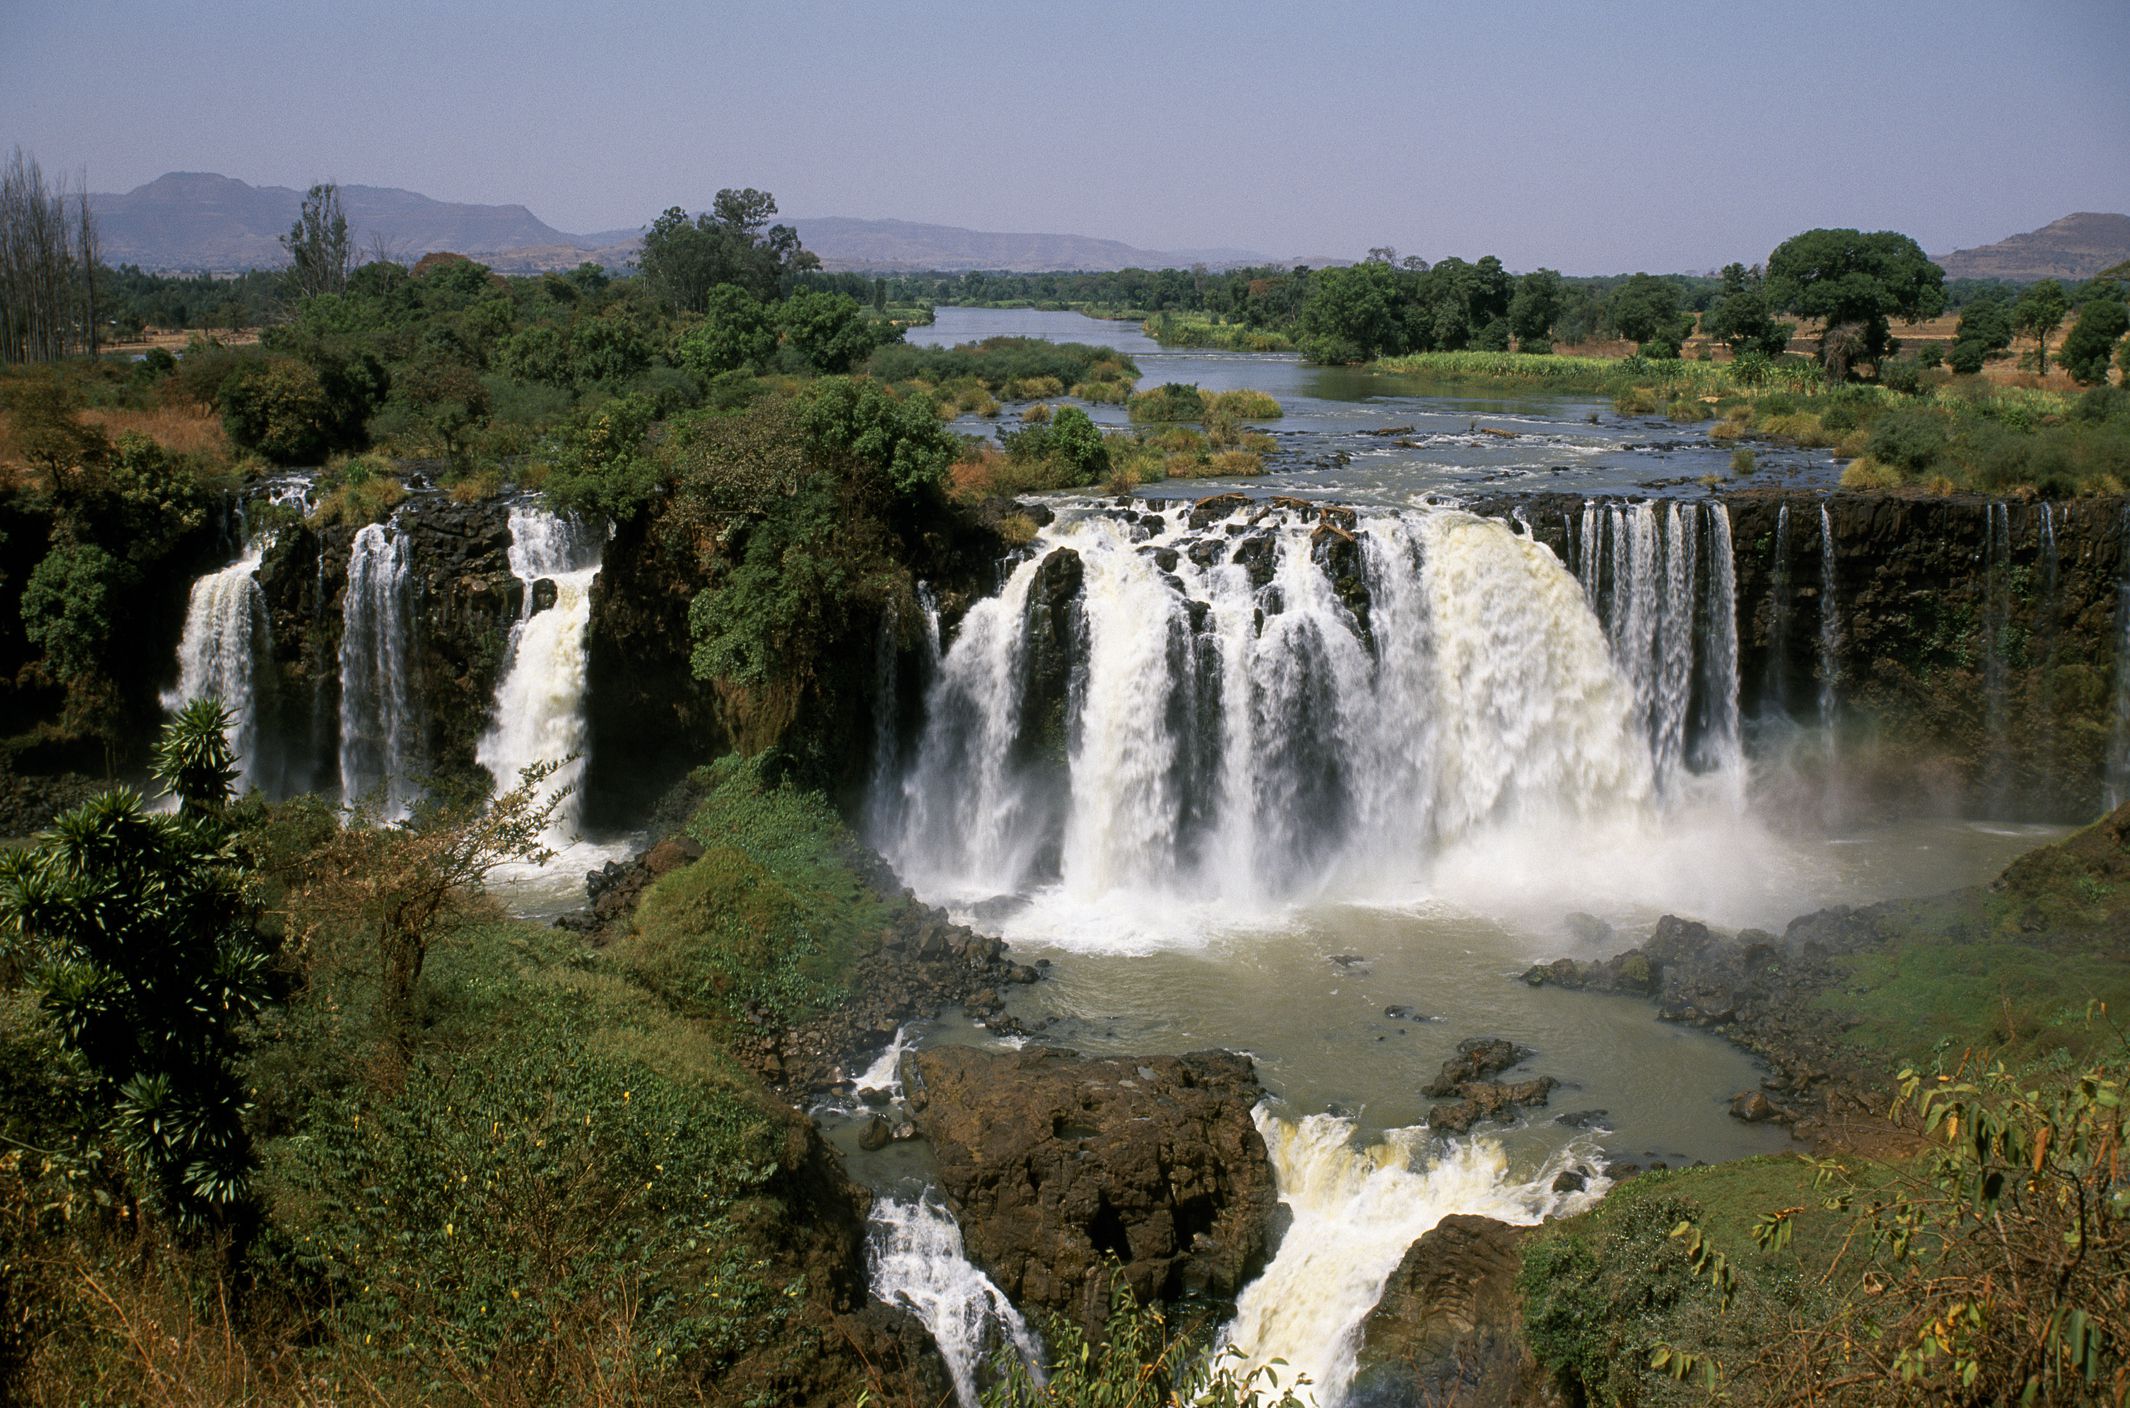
x=1848, y=277
x=70, y=607
x=2100, y=326
x=1533, y=307
x=1742, y=317
x=47, y=267
x=2038, y=313
x=897, y=439
x=54, y=441
x=146, y=958
x=1645, y=309
x=397, y=885
x=317, y=244
x=1985, y=327
x=732, y=243
x=736, y=334
x=829, y=330
x=1078, y=441
x=1354, y=314
x=281, y=408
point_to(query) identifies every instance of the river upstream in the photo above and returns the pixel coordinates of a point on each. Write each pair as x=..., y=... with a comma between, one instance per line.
x=1263, y=829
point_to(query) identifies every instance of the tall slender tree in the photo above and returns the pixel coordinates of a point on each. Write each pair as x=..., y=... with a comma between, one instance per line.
x=317, y=244
x=47, y=266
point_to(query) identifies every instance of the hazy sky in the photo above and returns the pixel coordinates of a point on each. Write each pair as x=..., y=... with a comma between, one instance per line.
x=1595, y=136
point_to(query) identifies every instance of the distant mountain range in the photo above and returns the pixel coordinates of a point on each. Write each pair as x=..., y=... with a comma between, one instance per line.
x=2075, y=247
x=194, y=220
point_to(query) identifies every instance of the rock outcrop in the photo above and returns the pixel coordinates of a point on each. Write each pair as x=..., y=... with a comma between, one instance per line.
x=1054, y=1162
x=1449, y=1326
x=1468, y=1098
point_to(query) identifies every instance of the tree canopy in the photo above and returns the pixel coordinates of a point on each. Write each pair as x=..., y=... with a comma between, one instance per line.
x=731, y=243
x=1848, y=277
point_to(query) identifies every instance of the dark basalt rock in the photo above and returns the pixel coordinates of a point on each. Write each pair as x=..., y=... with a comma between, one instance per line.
x=1449, y=1326
x=1477, y=1058
x=1053, y=1161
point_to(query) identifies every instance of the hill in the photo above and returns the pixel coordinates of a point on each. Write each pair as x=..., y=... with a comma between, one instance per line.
x=198, y=220
x=195, y=220
x=2075, y=247
x=904, y=245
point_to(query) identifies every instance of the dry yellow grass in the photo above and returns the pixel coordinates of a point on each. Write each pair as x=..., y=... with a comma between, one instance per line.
x=185, y=430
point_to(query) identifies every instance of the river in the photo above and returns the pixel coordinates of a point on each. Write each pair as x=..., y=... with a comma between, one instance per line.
x=1569, y=443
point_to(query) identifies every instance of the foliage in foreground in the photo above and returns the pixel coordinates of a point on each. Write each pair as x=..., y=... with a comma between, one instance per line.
x=1987, y=1270
x=769, y=918
x=1145, y=1359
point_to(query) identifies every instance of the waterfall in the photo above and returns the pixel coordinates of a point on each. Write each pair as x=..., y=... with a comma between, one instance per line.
x=1996, y=672
x=1354, y=1213
x=914, y=1259
x=1274, y=706
x=1830, y=627
x=379, y=747
x=1777, y=697
x=226, y=633
x=2117, y=788
x=1721, y=747
x=539, y=703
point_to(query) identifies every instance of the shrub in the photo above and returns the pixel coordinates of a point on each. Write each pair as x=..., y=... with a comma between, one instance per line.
x=280, y=409
x=899, y=439
x=603, y=465
x=1742, y=461
x=771, y=916
x=1909, y=439
x=1174, y=401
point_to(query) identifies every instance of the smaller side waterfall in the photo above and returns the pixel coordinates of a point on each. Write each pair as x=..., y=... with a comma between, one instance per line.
x=379, y=748
x=914, y=1259
x=1355, y=1211
x=539, y=704
x=1996, y=668
x=1776, y=697
x=1830, y=627
x=226, y=632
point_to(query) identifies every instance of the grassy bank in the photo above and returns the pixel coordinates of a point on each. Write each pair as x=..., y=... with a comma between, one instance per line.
x=1971, y=1254
x=1923, y=429
x=1201, y=330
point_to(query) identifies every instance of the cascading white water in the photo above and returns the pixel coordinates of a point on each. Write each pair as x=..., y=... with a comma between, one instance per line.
x=226, y=633
x=1996, y=670
x=1355, y=1212
x=1830, y=628
x=1777, y=693
x=539, y=704
x=379, y=747
x=2116, y=788
x=1673, y=625
x=1244, y=738
x=914, y=1259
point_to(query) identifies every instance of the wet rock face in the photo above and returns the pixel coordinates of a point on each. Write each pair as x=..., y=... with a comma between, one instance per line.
x=1468, y=1098
x=1055, y=1161
x=1448, y=1328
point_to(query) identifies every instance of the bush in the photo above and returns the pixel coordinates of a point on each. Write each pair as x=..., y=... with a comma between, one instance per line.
x=899, y=439
x=1171, y=402
x=771, y=916
x=1909, y=439
x=1742, y=461
x=280, y=409
x=603, y=465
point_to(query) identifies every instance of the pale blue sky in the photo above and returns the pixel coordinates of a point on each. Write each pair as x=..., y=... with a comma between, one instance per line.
x=1589, y=136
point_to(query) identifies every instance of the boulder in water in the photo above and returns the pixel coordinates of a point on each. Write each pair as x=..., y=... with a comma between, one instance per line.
x=1054, y=1161
x=1477, y=1058
x=1449, y=1325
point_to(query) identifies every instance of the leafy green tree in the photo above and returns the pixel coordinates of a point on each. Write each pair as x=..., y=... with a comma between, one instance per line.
x=829, y=330
x=280, y=407
x=899, y=440
x=69, y=606
x=1354, y=314
x=144, y=952
x=1078, y=441
x=2100, y=326
x=2038, y=313
x=737, y=333
x=1645, y=309
x=1533, y=307
x=1985, y=326
x=732, y=243
x=446, y=402
x=604, y=465
x=1848, y=277
x=1742, y=317
x=317, y=244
